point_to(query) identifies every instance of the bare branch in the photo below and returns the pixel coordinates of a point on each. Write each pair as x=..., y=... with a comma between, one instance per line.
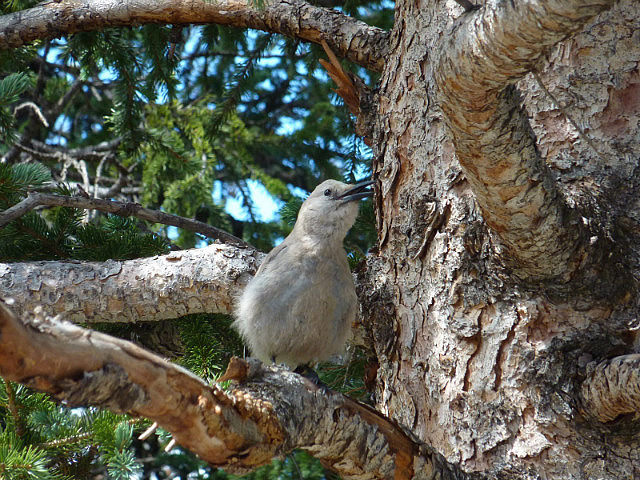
x=487, y=51
x=271, y=412
x=351, y=38
x=64, y=100
x=122, y=209
x=117, y=187
x=613, y=388
x=203, y=280
x=40, y=155
x=36, y=110
x=89, y=152
x=355, y=93
x=82, y=367
x=13, y=409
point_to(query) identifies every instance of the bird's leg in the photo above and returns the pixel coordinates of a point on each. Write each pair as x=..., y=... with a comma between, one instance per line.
x=310, y=374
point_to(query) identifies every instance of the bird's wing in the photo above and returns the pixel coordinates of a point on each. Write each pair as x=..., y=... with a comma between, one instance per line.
x=271, y=257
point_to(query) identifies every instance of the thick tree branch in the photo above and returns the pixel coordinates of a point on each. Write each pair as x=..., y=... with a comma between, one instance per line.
x=613, y=388
x=351, y=38
x=487, y=51
x=203, y=280
x=122, y=209
x=270, y=413
x=82, y=367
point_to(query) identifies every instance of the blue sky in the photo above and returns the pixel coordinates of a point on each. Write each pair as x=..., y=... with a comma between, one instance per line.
x=266, y=207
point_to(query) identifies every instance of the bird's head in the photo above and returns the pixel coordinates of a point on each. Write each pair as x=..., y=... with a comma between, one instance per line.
x=331, y=208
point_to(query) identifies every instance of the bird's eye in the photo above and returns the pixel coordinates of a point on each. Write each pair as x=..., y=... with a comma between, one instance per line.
x=327, y=192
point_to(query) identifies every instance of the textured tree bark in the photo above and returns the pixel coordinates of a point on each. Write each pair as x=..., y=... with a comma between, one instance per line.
x=352, y=39
x=612, y=388
x=494, y=143
x=166, y=286
x=82, y=367
x=509, y=242
x=474, y=360
x=271, y=412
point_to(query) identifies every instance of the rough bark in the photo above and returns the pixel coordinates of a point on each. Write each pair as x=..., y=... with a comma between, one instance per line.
x=202, y=280
x=612, y=389
x=82, y=367
x=271, y=412
x=493, y=372
x=519, y=198
x=473, y=360
x=350, y=38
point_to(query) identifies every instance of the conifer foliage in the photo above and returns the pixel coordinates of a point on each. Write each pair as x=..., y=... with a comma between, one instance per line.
x=182, y=120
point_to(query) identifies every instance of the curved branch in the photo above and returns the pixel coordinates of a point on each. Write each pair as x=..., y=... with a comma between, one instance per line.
x=487, y=51
x=271, y=412
x=122, y=209
x=351, y=38
x=82, y=368
x=613, y=388
x=203, y=280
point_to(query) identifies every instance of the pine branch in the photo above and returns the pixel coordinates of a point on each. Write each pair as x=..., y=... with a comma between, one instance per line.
x=44, y=115
x=66, y=441
x=353, y=39
x=122, y=209
x=271, y=411
x=234, y=92
x=13, y=408
x=199, y=280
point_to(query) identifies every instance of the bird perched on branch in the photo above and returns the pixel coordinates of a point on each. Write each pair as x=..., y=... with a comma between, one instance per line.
x=300, y=305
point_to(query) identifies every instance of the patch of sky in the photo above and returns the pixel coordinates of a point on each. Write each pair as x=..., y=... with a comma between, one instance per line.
x=266, y=207
x=63, y=124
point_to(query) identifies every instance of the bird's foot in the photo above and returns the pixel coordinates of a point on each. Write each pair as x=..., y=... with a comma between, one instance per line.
x=310, y=374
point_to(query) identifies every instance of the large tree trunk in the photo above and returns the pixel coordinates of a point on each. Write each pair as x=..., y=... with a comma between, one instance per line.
x=501, y=302
x=484, y=346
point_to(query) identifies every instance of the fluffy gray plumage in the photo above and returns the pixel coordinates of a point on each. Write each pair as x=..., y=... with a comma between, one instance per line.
x=300, y=305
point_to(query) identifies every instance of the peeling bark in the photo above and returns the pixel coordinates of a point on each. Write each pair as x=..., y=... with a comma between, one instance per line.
x=487, y=51
x=476, y=362
x=202, y=280
x=352, y=39
x=612, y=389
x=271, y=412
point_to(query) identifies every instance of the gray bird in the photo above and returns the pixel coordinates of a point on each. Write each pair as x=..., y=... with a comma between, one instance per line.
x=300, y=305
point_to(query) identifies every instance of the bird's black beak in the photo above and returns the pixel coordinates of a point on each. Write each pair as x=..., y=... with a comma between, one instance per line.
x=357, y=192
